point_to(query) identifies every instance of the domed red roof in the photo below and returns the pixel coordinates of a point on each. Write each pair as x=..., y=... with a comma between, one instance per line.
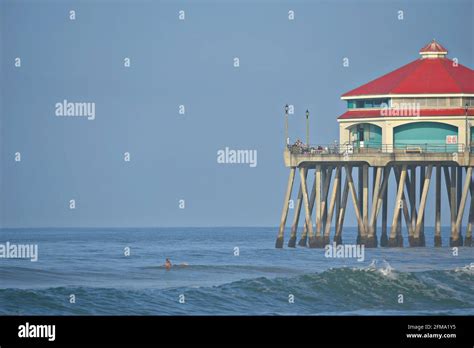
x=435, y=75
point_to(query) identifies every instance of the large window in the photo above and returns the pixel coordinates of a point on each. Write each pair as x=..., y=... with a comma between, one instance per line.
x=428, y=136
x=367, y=103
x=436, y=103
x=366, y=135
x=469, y=101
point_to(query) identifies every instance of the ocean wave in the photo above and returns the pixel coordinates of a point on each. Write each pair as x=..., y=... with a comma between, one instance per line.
x=375, y=289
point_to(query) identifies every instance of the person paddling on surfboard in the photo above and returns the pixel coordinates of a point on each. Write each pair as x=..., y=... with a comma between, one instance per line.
x=168, y=264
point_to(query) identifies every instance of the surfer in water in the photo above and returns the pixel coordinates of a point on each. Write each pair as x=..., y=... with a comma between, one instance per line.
x=168, y=264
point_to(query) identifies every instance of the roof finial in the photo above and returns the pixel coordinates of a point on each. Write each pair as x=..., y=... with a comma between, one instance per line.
x=433, y=50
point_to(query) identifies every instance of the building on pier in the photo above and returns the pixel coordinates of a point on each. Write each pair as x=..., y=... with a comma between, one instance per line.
x=423, y=105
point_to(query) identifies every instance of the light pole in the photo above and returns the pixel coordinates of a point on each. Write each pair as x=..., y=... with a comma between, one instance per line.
x=307, y=128
x=287, y=139
x=468, y=143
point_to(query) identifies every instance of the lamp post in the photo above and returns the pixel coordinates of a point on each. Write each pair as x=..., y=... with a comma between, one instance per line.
x=468, y=143
x=307, y=128
x=287, y=139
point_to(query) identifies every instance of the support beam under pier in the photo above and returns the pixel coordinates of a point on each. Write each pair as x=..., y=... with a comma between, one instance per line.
x=342, y=213
x=308, y=220
x=457, y=240
x=332, y=205
x=355, y=203
x=453, y=199
x=296, y=217
x=421, y=211
x=376, y=197
x=392, y=242
x=383, y=236
x=284, y=213
x=468, y=239
x=437, y=235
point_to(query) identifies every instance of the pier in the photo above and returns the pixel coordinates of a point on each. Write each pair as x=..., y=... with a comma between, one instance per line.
x=412, y=134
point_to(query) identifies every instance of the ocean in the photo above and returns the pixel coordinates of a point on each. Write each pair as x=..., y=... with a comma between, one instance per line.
x=226, y=271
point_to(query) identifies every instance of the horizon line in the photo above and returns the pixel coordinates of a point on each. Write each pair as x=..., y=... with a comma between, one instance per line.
x=151, y=227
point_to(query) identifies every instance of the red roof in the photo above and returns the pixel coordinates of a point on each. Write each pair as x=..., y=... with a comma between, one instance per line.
x=433, y=46
x=422, y=76
x=423, y=112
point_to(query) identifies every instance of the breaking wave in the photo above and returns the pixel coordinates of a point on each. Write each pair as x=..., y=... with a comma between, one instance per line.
x=371, y=290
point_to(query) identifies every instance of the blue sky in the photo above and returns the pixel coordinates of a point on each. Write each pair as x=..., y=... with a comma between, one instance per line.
x=188, y=63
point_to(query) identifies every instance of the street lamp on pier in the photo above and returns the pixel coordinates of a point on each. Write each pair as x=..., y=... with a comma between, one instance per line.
x=307, y=128
x=287, y=139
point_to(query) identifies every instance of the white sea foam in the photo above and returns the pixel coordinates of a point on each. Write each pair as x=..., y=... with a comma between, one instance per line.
x=386, y=270
x=383, y=268
x=466, y=269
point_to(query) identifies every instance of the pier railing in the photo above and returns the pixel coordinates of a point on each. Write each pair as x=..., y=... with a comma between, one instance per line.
x=349, y=149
